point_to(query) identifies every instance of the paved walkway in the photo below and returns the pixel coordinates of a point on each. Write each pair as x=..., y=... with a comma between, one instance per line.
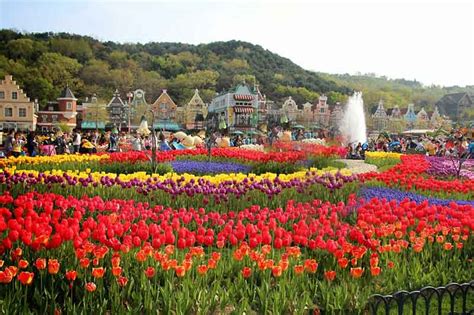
x=359, y=166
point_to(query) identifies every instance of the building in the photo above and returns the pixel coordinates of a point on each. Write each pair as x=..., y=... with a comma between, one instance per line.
x=92, y=114
x=118, y=111
x=165, y=110
x=16, y=110
x=410, y=116
x=138, y=108
x=193, y=115
x=290, y=112
x=380, y=118
x=62, y=111
x=321, y=112
x=337, y=114
x=455, y=106
x=236, y=109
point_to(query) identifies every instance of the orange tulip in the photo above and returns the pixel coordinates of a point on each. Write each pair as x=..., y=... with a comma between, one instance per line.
x=71, y=275
x=211, y=263
x=448, y=246
x=246, y=272
x=53, y=266
x=23, y=264
x=310, y=265
x=13, y=270
x=1, y=263
x=330, y=275
x=141, y=256
x=202, y=269
x=375, y=271
x=26, y=278
x=299, y=269
x=84, y=262
x=98, y=272
x=122, y=281
x=180, y=271
x=187, y=264
x=357, y=272
x=343, y=262
x=169, y=249
x=116, y=271
x=6, y=276
x=390, y=264
x=115, y=261
x=150, y=272
x=90, y=286
x=216, y=256
x=277, y=271
x=40, y=263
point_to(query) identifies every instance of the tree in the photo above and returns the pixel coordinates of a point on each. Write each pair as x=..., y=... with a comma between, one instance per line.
x=58, y=69
x=21, y=48
x=75, y=48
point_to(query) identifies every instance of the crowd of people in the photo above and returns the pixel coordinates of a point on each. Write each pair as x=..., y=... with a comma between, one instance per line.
x=456, y=145
x=32, y=144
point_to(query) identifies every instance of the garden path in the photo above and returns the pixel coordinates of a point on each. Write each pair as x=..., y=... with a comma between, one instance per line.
x=359, y=166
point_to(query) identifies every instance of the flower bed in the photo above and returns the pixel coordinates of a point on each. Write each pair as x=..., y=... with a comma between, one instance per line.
x=89, y=241
x=93, y=256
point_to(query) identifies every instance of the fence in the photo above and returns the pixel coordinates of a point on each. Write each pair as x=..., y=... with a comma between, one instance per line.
x=452, y=299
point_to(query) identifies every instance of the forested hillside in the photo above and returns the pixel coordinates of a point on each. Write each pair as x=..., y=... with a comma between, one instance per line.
x=44, y=62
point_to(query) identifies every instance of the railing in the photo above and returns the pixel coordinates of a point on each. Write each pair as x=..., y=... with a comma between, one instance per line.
x=451, y=299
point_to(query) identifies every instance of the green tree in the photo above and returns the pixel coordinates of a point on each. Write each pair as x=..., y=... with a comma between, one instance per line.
x=96, y=112
x=58, y=69
x=75, y=48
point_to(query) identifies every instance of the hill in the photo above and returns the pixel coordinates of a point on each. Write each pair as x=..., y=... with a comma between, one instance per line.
x=44, y=62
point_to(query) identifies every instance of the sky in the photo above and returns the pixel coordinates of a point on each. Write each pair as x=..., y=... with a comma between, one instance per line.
x=430, y=41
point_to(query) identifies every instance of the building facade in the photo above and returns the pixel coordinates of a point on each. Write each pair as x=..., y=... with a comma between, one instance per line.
x=456, y=106
x=16, y=110
x=118, y=111
x=62, y=111
x=236, y=109
x=193, y=114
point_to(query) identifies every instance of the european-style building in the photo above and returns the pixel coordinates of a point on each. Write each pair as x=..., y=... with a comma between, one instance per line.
x=62, y=111
x=16, y=110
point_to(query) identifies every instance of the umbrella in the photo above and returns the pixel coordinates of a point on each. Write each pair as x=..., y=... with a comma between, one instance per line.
x=394, y=144
x=237, y=132
x=298, y=127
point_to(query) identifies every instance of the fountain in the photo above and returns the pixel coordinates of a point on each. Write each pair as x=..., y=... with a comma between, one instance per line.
x=353, y=127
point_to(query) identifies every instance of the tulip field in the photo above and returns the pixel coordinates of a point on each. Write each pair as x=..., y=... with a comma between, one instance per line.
x=287, y=231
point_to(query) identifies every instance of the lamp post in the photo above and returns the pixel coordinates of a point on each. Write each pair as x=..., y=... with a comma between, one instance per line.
x=129, y=96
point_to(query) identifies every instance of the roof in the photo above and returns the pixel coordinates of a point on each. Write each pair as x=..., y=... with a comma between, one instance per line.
x=67, y=93
x=116, y=99
x=451, y=99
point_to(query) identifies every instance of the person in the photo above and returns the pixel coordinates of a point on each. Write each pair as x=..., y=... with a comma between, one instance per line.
x=470, y=148
x=60, y=143
x=137, y=143
x=147, y=143
x=17, y=145
x=76, y=141
x=31, y=144
x=87, y=146
x=9, y=143
x=113, y=142
x=163, y=144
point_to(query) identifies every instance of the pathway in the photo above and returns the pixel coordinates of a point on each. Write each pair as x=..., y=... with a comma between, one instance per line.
x=359, y=166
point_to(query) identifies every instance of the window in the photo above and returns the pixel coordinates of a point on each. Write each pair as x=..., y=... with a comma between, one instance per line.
x=22, y=112
x=116, y=111
x=54, y=118
x=50, y=108
x=8, y=112
x=322, y=110
x=2, y=95
x=69, y=106
x=44, y=118
x=14, y=95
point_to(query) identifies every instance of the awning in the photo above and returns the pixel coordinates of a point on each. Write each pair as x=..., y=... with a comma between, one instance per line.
x=91, y=125
x=170, y=126
x=243, y=97
x=241, y=109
